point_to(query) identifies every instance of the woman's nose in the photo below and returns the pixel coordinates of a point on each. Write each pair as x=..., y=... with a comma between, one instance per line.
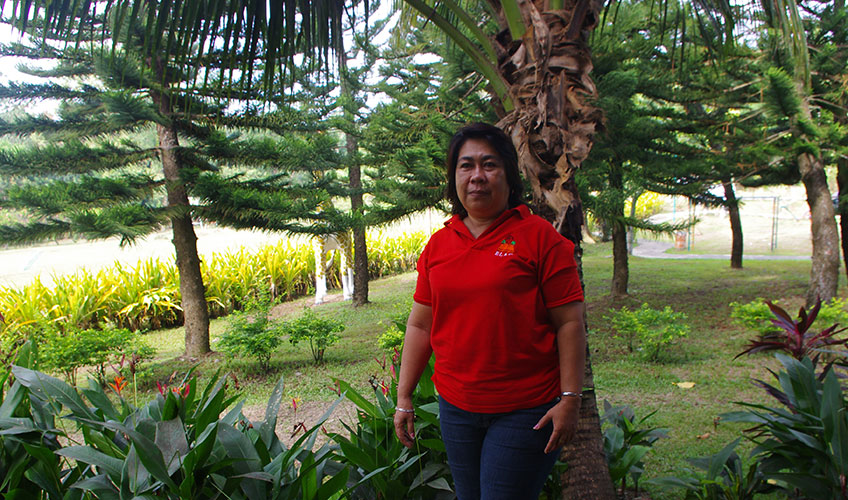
x=477, y=173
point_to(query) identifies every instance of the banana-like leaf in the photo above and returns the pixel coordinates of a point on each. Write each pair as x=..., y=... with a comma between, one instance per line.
x=239, y=447
x=53, y=391
x=88, y=455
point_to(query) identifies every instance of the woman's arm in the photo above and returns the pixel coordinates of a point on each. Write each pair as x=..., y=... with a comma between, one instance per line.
x=416, y=355
x=567, y=320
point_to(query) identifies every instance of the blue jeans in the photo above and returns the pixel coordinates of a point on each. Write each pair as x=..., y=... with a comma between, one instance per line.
x=497, y=455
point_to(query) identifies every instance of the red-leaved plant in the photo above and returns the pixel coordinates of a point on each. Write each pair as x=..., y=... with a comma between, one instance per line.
x=794, y=337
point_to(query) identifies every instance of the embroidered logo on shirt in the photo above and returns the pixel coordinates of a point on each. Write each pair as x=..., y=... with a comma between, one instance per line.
x=506, y=248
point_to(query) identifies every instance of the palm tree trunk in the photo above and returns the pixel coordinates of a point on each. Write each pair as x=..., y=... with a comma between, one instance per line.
x=824, y=274
x=587, y=476
x=736, y=246
x=552, y=126
x=192, y=291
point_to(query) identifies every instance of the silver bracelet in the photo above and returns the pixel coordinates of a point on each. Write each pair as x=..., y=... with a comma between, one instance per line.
x=569, y=394
x=404, y=410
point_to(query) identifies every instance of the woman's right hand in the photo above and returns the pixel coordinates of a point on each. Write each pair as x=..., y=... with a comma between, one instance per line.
x=405, y=424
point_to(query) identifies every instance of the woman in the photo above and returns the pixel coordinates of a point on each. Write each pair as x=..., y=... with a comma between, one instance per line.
x=499, y=302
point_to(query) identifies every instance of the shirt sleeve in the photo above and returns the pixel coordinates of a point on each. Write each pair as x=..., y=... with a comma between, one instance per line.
x=559, y=281
x=422, y=293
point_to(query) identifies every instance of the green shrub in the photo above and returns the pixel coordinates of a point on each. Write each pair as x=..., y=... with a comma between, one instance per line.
x=320, y=333
x=67, y=352
x=795, y=337
x=757, y=316
x=626, y=442
x=387, y=468
x=185, y=443
x=391, y=339
x=649, y=330
x=250, y=333
x=723, y=477
x=147, y=296
x=801, y=444
x=754, y=315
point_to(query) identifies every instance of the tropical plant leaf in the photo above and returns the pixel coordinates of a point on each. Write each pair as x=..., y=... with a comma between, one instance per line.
x=239, y=448
x=52, y=390
x=147, y=451
x=88, y=455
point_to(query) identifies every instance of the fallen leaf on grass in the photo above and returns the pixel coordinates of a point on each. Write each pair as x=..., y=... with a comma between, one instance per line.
x=685, y=385
x=704, y=436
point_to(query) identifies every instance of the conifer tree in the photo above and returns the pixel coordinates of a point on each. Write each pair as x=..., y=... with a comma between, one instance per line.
x=651, y=142
x=406, y=136
x=92, y=178
x=807, y=133
x=827, y=35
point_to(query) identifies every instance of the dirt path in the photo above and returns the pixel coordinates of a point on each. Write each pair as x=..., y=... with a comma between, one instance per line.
x=291, y=424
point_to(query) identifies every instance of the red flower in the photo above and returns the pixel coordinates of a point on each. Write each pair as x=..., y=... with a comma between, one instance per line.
x=118, y=385
x=181, y=390
x=162, y=388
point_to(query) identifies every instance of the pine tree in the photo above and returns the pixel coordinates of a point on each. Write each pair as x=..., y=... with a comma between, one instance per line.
x=406, y=137
x=652, y=141
x=827, y=35
x=93, y=176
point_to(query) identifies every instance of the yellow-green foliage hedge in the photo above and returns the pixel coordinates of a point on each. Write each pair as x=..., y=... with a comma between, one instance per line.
x=147, y=295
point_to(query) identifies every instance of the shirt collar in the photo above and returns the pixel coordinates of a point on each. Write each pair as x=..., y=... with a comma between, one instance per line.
x=521, y=211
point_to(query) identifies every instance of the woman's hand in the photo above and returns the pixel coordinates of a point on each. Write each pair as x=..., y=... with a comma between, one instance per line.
x=405, y=425
x=564, y=417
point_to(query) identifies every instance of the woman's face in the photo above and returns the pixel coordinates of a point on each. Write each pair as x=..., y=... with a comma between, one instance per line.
x=481, y=180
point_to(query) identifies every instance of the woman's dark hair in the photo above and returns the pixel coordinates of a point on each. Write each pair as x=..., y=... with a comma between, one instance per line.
x=502, y=144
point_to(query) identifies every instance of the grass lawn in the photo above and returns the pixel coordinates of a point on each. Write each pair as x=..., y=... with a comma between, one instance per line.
x=702, y=289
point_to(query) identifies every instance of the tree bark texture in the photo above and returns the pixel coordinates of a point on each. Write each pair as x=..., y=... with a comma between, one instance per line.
x=736, y=246
x=824, y=274
x=631, y=232
x=842, y=182
x=360, y=248
x=620, y=271
x=587, y=476
x=552, y=127
x=192, y=291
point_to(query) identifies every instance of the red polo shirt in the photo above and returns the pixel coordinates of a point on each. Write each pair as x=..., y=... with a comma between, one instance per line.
x=495, y=347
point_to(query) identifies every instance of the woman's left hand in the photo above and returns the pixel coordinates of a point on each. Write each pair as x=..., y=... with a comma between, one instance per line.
x=564, y=416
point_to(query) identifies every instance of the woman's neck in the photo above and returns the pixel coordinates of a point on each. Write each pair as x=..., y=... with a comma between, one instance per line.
x=478, y=225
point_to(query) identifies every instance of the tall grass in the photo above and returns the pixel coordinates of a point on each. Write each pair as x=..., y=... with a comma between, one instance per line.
x=146, y=296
